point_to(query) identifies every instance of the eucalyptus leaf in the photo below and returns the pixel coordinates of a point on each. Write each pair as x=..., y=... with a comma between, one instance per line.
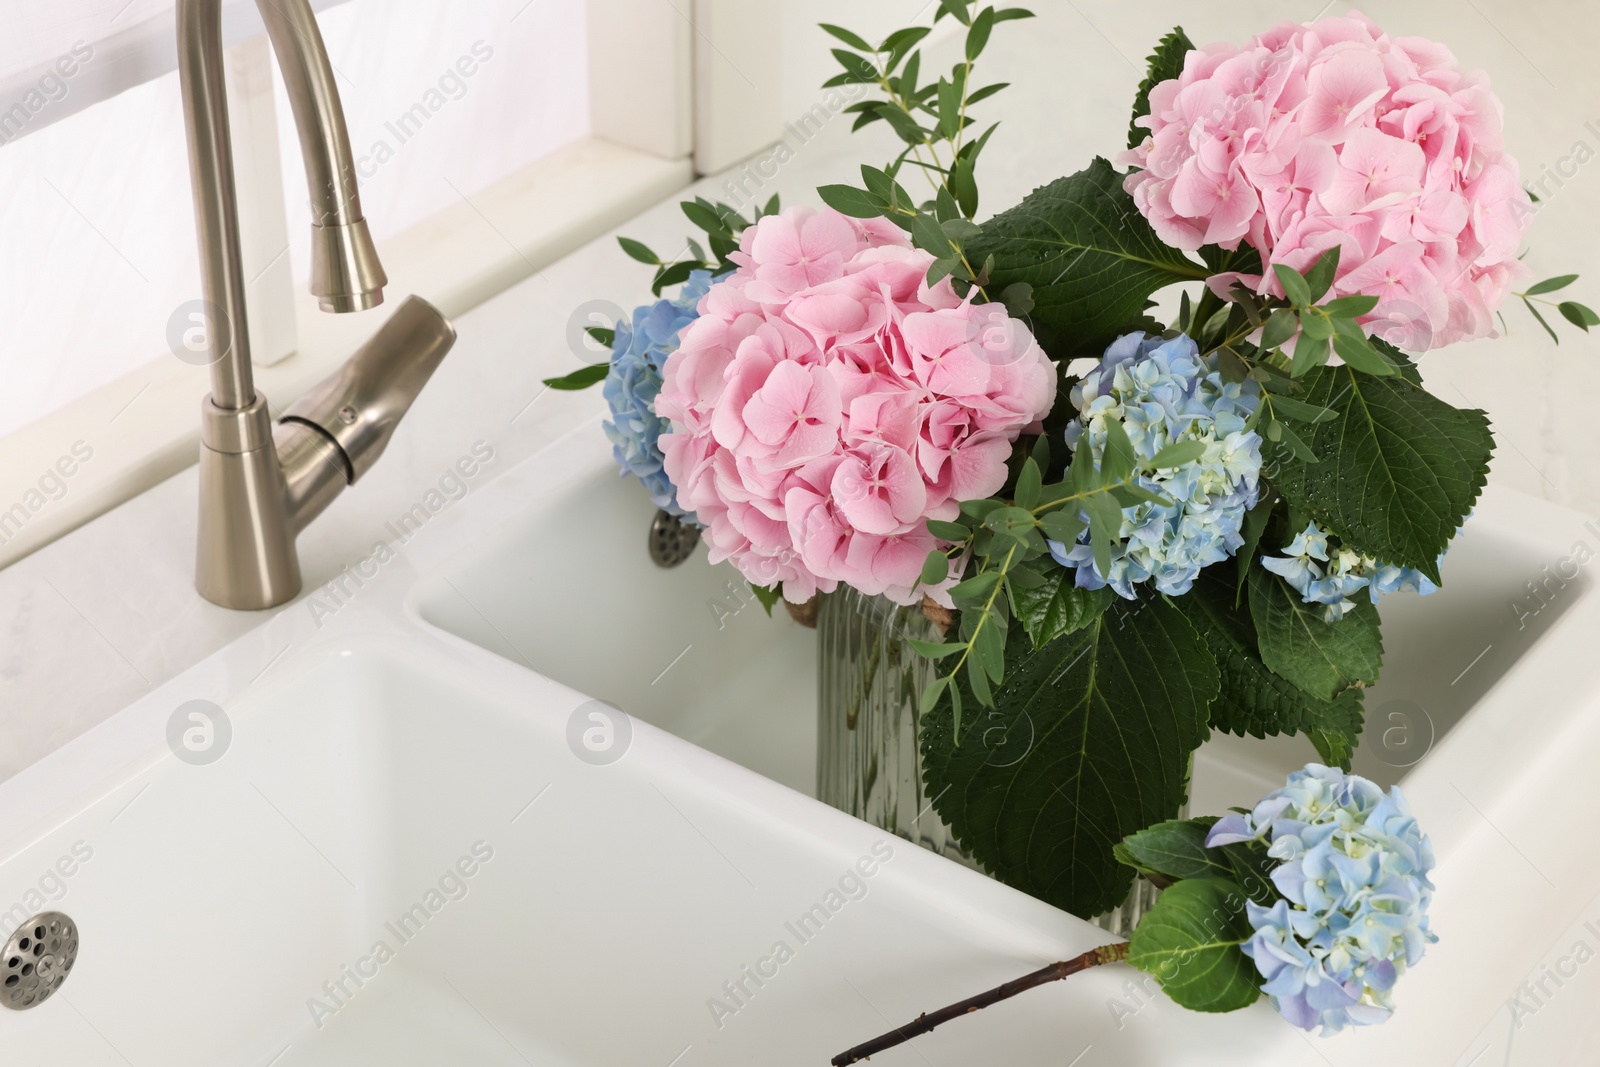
x=1578, y=315
x=848, y=200
x=1294, y=285
x=582, y=378
x=1281, y=325
x=846, y=36
x=1319, y=279
x=1177, y=454
x=1350, y=307
x=1550, y=285
x=638, y=251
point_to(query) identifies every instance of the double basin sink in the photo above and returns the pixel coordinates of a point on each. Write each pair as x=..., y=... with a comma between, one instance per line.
x=426, y=835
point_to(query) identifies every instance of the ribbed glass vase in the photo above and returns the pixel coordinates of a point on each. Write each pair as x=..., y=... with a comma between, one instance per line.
x=869, y=679
x=868, y=760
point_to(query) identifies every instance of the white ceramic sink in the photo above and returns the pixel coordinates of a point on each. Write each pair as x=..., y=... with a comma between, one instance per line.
x=373, y=752
x=568, y=589
x=414, y=817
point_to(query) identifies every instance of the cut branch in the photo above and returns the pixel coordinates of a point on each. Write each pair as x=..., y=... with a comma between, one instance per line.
x=928, y=1020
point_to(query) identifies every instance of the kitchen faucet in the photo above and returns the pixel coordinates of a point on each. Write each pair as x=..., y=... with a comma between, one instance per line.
x=260, y=486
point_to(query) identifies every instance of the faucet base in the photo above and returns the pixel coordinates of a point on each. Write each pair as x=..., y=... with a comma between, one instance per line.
x=245, y=557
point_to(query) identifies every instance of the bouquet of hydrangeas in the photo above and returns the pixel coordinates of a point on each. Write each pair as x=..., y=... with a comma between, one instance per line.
x=1137, y=532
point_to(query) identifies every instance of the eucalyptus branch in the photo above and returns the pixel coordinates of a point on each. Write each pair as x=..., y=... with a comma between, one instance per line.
x=983, y=618
x=1051, y=505
x=928, y=1020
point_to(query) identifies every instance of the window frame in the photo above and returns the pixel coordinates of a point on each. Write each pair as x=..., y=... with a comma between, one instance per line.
x=656, y=94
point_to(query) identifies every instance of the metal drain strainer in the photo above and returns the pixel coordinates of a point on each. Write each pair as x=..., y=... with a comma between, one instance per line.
x=37, y=960
x=671, y=540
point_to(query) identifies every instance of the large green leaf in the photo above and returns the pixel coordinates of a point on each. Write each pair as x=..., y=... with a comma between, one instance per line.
x=1108, y=716
x=1089, y=255
x=1058, y=606
x=1171, y=851
x=1174, y=850
x=1322, y=658
x=1254, y=700
x=1189, y=940
x=1398, y=469
x=1165, y=62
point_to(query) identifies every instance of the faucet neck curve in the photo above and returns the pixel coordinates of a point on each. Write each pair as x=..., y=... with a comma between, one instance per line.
x=346, y=273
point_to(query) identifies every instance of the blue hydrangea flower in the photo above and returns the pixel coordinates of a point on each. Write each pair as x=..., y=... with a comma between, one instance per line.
x=1332, y=575
x=1353, y=872
x=1163, y=392
x=638, y=354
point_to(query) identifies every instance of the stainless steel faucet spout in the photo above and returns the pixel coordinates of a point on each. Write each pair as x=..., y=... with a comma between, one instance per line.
x=259, y=486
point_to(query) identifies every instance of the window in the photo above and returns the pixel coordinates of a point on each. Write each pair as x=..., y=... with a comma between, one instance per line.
x=466, y=121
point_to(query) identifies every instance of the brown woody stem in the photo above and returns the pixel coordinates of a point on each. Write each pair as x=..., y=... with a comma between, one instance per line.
x=928, y=1020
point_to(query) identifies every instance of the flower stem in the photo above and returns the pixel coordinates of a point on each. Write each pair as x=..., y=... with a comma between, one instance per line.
x=928, y=1020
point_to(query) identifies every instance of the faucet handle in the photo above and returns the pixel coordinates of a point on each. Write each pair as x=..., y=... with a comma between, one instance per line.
x=360, y=404
x=345, y=272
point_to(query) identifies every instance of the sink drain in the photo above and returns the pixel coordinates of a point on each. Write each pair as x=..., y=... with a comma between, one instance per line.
x=37, y=960
x=671, y=540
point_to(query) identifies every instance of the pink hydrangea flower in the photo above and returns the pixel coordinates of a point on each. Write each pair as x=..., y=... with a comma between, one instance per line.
x=1333, y=133
x=828, y=402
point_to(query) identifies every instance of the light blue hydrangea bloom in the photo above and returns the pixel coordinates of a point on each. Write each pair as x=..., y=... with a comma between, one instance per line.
x=1332, y=575
x=1163, y=392
x=638, y=354
x=1353, y=872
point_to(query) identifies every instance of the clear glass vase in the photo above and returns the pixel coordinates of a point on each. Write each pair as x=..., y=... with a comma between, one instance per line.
x=868, y=760
x=869, y=680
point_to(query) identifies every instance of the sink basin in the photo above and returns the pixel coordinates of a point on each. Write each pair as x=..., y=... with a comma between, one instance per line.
x=410, y=854
x=401, y=859
x=689, y=650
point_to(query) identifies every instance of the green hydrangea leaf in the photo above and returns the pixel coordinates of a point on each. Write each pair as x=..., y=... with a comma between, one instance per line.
x=1057, y=607
x=1174, y=850
x=1106, y=718
x=1321, y=658
x=1165, y=62
x=1189, y=940
x=1091, y=258
x=1254, y=700
x=1398, y=469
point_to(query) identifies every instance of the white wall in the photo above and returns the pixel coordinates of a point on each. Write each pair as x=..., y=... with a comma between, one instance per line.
x=1074, y=72
x=527, y=97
